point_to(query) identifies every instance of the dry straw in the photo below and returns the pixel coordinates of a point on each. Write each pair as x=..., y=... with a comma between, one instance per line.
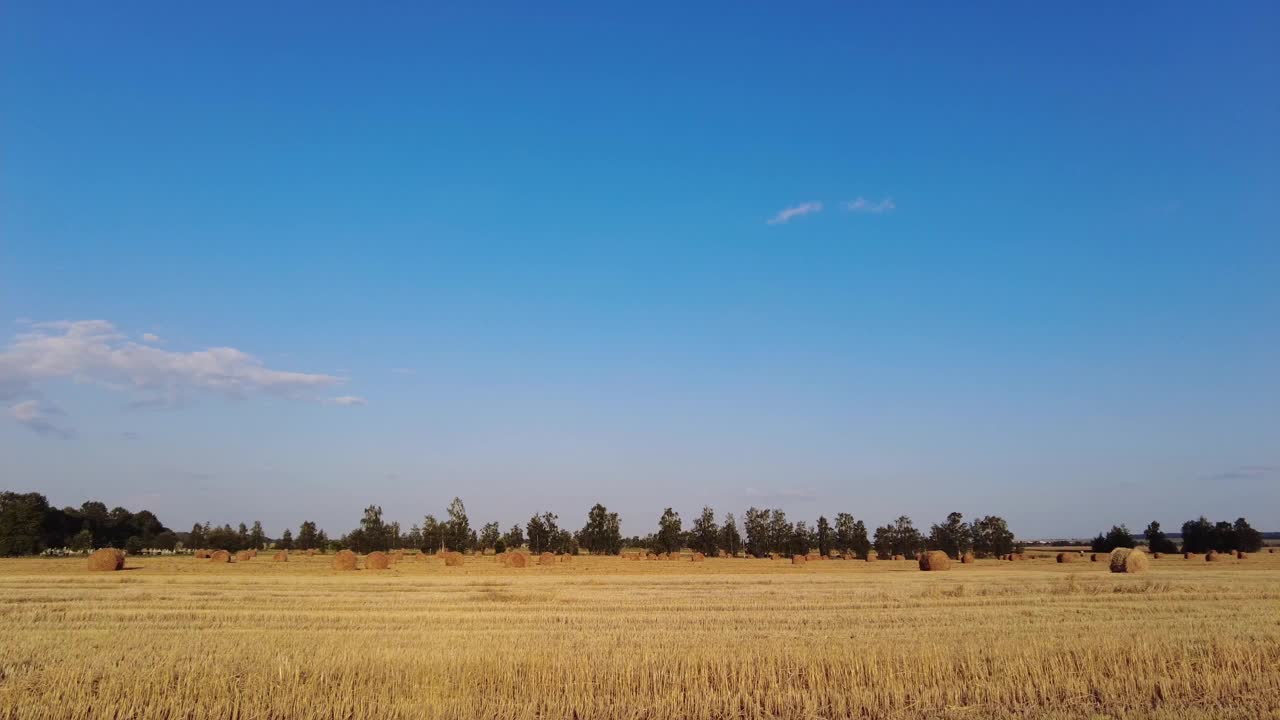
x=547, y=559
x=935, y=560
x=281, y=556
x=797, y=559
x=453, y=559
x=344, y=560
x=107, y=559
x=377, y=561
x=517, y=560
x=1067, y=557
x=220, y=556
x=699, y=557
x=244, y=556
x=1127, y=560
x=966, y=559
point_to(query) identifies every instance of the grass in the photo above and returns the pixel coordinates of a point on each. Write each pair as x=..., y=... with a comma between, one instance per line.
x=608, y=638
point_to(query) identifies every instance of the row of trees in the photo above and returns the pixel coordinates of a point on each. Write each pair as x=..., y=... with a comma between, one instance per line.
x=1198, y=536
x=29, y=526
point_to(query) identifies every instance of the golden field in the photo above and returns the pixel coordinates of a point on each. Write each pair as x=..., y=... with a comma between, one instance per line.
x=177, y=637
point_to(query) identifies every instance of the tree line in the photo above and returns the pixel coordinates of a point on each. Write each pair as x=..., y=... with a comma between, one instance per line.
x=29, y=525
x=1198, y=536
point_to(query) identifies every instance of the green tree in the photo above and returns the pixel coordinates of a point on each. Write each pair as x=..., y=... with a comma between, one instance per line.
x=667, y=540
x=490, y=536
x=756, y=525
x=257, y=538
x=952, y=537
x=1157, y=541
x=286, y=539
x=432, y=534
x=780, y=532
x=826, y=540
x=602, y=535
x=457, y=533
x=514, y=538
x=544, y=532
x=1247, y=538
x=1117, y=537
x=799, y=541
x=22, y=519
x=195, y=539
x=990, y=537
x=1197, y=536
x=373, y=531
x=307, y=538
x=730, y=539
x=82, y=541
x=705, y=534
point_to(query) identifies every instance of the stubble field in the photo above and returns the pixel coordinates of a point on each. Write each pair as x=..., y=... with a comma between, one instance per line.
x=177, y=637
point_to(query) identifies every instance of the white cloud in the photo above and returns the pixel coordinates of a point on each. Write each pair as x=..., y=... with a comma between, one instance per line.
x=348, y=401
x=863, y=205
x=36, y=418
x=150, y=338
x=95, y=352
x=785, y=216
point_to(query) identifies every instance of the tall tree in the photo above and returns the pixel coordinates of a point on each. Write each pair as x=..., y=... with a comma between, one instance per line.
x=667, y=539
x=490, y=536
x=990, y=537
x=705, y=534
x=307, y=539
x=799, y=541
x=541, y=533
x=373, y=530
x=756, y=525
x=457, y=535
x=602, y=535
x=730, y=539
x=952, y=537
x=286, y=539
x=257, y=537
x=195, y=539
x=22, y=519
x=432, y=534
x=1247, y=539
x=780, y=532
x=514, y=538
x=825, y=537
x=1157, y=541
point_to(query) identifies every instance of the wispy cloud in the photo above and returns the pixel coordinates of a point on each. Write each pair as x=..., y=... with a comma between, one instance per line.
x=36, y=417
x=785, y=216
x=150, y=338
x=95, y=352
x=863, y=205
x=348, y=401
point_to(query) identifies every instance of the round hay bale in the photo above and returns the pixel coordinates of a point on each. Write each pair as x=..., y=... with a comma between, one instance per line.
x=1156, y=555
x=1126, y=560
x=1241, y=555
x=376, y=561
x=244, y=556
x=566, y=558
x=1093, y=557
x=775, y=556
x=798, y=559
x=1066, y=557
x=546, y=558
x=899, y=557
x=1214, y=556
x=281, y=556
x=311, y=551
x=813, y=556
x=966, y=559
x=344, y=560
x=518, y=560
x=1186, y=556
x=935, y=560
x=453, y=559
x=106, y=559
x=202, y=555
x=699, y=557
x=220, y=556
x=253, y=553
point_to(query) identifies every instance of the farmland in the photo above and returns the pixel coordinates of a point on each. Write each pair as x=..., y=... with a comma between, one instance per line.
x=604, y=637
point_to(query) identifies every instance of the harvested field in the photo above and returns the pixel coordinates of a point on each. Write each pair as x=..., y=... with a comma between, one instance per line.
x=720, y=638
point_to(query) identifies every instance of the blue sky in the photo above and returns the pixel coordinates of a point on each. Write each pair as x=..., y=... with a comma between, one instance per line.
x=834, y=257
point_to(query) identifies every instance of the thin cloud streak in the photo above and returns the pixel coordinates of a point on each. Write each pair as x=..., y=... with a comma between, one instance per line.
x=786, y=215
x=865, y=206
